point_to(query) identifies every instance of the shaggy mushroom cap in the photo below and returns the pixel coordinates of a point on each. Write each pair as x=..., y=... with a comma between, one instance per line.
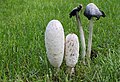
x=54, y=42
x=71, y=50
x=93, y=11
x=76, y=9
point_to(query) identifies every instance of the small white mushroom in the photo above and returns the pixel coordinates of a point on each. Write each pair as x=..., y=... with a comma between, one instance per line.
x=54, y=43
x=71, y=51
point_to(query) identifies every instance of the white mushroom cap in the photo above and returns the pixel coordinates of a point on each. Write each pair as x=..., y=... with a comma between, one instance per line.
x=93, y=11
x=71, y=50
x=54, y=42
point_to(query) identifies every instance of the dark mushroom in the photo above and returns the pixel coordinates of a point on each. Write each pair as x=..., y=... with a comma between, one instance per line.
x=93, y=11
x=90, y=12
x=75, y=12
x=76, y=9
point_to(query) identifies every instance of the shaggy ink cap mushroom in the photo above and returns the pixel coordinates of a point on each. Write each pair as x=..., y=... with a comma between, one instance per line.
x=75, y=12
x=71, y=49
x=93, y=11
x=54, y=43
x=71, y=52
x=76, y=9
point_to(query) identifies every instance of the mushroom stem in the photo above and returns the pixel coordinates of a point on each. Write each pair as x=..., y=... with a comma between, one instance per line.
x=56, y=71
x=71, y=71
x=90, y=38
x=82, y=38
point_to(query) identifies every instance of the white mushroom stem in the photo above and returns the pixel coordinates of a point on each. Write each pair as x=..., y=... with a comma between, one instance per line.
x=82, y=38
x=90, y=38
x=57, y=71
x=71, y=71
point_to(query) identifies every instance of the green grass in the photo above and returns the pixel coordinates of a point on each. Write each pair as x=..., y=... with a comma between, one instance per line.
x=22, y=48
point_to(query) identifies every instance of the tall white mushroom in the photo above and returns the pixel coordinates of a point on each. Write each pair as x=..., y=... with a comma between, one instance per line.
x=54, y=43
x=71, y=51
x=92, y=11
x=75, y=12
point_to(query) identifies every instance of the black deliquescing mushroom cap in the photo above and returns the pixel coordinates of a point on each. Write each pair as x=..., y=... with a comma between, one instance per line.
x=92, y=11
x=103, y=14
x=77, y=9
x=89, y=15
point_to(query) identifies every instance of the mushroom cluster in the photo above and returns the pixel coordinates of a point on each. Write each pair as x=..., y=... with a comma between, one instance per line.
x=91, y=11
x=56, y=44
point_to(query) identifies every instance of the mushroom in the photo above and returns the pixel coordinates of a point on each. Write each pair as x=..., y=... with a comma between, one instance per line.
x=54, y=43
x=71, y=52
x=74, y=12
x=90, y=12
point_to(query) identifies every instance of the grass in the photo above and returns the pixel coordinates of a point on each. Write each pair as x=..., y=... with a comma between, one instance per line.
x=22, y=49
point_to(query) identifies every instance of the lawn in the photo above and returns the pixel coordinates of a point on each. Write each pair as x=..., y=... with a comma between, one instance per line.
x=22, y=47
